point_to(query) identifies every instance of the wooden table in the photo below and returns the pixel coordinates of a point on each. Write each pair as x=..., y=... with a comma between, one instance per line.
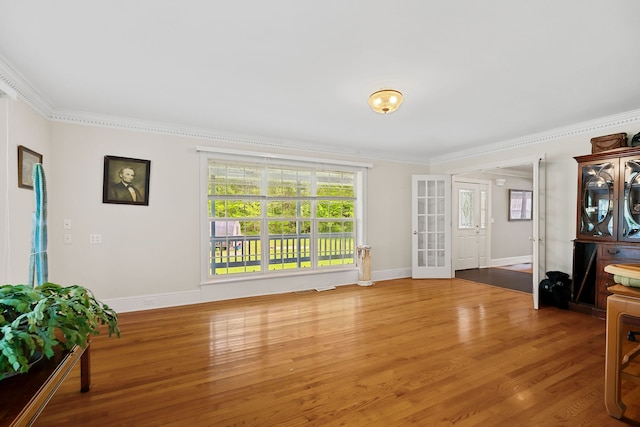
x=625, y=301
x=24, y=396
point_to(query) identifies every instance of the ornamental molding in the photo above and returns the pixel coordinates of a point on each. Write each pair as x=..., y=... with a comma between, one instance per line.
x=27, y=92
x=587, y=127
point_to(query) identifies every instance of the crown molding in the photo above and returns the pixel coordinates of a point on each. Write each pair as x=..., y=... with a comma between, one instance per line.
x=12, y=80
x=550, y=135
x=16, y=82
x=127, y=123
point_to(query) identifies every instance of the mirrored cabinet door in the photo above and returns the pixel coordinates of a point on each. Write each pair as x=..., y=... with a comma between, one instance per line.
x=597, y=198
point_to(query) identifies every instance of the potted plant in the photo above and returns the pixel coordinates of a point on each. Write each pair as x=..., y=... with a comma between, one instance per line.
x=34, y=320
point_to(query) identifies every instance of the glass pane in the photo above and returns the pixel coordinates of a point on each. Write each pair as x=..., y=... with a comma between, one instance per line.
x=235, y=247
x=431, y=259
x=431, y=188
x=483, y=209
x=431, y=223
x=631, y=226
x=465, y=208
x=336, y=184
x=431, y=206
x=234, y=179
x=596, y=214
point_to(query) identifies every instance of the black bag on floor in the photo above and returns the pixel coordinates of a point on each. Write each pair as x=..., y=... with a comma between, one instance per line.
x=555, y=290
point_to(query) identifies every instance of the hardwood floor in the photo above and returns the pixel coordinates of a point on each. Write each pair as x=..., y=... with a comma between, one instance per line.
x=401, y=352
x=509, y=279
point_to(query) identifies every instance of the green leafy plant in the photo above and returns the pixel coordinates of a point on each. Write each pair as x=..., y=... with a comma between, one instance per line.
x=38, y=319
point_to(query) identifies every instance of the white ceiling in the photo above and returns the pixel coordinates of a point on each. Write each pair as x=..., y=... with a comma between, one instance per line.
x=297, y=73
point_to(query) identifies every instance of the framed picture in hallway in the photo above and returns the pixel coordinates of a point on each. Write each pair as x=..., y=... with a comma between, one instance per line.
x=520, y=205
x=26, y=159
x=126, y=181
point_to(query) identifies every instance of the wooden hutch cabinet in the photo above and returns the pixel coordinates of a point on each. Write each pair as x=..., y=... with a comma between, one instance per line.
x=608, y=223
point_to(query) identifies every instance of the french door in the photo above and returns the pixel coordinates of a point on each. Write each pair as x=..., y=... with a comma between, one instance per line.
x=431, y=225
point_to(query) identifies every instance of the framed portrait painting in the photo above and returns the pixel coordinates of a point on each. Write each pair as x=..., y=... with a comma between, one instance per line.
x=26, y=159
x=126, y=181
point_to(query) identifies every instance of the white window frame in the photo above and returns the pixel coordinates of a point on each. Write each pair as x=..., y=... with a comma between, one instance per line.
x=231, y=155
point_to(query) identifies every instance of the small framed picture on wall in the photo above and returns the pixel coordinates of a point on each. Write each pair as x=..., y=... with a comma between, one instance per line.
x=520, y=205
x=26, y=159
x=126, y=181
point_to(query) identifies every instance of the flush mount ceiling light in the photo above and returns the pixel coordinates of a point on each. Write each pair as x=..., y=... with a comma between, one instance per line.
x=385, y=101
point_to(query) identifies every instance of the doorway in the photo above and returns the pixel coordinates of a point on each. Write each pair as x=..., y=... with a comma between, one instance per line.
x=502, y=176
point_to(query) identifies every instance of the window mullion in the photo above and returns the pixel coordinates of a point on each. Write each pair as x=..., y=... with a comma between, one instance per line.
x=265, y=251
x=314, y=222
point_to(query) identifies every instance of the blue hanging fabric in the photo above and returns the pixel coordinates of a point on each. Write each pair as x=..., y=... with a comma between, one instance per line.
x=38, y=264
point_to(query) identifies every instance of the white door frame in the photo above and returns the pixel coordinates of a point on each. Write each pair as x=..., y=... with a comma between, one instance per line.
x=538, y=238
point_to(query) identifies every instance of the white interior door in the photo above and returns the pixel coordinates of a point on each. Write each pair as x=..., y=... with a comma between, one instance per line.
x=470, y=236
x=431, y=225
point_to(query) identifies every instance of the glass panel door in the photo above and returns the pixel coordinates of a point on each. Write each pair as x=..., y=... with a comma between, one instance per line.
x=631, y=201
x=596, y=203
x=431, y=221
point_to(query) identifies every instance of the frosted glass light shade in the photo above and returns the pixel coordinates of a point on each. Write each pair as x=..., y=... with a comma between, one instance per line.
x=385, y=101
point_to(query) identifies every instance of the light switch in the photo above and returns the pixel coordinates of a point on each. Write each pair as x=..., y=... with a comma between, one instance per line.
x=67, y=224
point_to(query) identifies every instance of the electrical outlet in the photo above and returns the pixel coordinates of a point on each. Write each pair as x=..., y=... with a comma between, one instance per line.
x=95, y=239
x=67, y=238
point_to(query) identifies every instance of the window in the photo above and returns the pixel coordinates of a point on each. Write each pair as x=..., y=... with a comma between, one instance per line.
x=264, y=217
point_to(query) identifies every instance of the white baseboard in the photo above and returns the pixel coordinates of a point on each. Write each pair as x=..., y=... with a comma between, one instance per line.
x=249, y=288
x=391, y=274
x=149, y=302
x=235, y=289
x=499, y=262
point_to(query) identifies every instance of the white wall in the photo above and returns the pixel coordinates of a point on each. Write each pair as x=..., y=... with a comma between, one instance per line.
x=509, y=238
x=149, y=255
x=20, y=126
